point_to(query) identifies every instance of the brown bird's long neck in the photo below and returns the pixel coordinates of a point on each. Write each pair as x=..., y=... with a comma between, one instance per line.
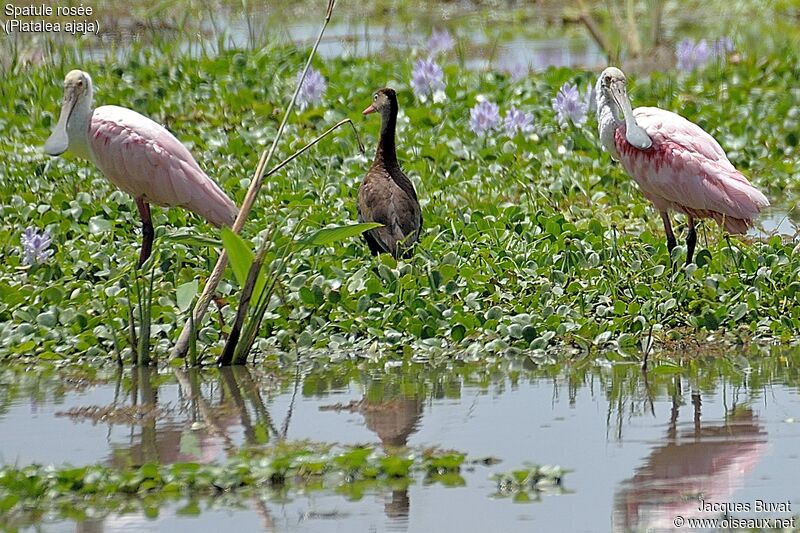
x=386, y=151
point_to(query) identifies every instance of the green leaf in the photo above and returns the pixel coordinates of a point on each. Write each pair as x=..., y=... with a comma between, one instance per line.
x=239, y=253
x=457, y=332
x=185, y=294
x=99, y=225
x=666, y=369
x=326, y=236
x=193, y=240
x=241, y=258
x=738, y=312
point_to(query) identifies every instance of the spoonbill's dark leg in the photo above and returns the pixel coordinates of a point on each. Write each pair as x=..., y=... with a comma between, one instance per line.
x=147, y=231
x=691, y=241
x=668, y=230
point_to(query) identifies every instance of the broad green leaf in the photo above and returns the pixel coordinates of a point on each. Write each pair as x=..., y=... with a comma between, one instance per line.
x=326, y=236
x=241, y=258
x=185, y=294
x=99, y=225
x=239, y=254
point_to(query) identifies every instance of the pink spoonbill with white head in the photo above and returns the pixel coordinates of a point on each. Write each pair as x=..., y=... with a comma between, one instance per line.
x=137, y=155
x=678, y=166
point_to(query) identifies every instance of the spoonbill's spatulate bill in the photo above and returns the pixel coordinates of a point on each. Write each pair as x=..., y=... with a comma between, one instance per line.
x=677, y=165
x=137, y=155
x=386, y=195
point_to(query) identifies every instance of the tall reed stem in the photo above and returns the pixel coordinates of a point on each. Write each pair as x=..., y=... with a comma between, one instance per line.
x=182, y=345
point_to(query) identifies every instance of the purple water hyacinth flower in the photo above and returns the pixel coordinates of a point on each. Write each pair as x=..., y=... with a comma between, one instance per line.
x=35, y=246
x=440, y=41
x=702, y=53
x=569, y=106
x=724, y=45
x=684, y=52
x=691, y=55
x=314, y=86
x=427, y=78
x=518, y=71
x=517, y=121
x=484, y=117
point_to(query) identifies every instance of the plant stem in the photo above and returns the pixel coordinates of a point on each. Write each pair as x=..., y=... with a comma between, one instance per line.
x=255, y=186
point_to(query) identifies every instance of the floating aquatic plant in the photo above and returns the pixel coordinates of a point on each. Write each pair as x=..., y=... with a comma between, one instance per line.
x=527, y=483
x=692, y=55
x=598, y=274
x=569, y=106
x=439, y=42
x=427, y=78
x=484, y=117
x=312, y=90
x=35, y=246
x=36, y=488
x=517, y=121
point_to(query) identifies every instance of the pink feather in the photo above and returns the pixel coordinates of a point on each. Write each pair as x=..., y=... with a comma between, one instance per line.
x=145, y=160
x=687, y=171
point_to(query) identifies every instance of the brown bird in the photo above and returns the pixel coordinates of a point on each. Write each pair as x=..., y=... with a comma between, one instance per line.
x=386, y=195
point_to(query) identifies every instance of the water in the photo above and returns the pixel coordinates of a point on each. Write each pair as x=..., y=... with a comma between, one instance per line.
x=640, y=450
x=777, y=220
x=507, y=45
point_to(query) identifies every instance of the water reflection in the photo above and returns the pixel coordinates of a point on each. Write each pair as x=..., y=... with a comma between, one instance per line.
x=201, y=420
x=778, y=220
x=708, y=460
x=640, y=448
x=393, y=416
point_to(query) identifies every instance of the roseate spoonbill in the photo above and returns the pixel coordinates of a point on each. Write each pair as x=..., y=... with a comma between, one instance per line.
x=677, y=165
x=386, y=195
x=137, y=155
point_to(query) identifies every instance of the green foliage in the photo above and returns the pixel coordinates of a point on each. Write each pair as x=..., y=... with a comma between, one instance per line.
x=328, y=236
x=28, y=491
x=532, y=244
x=527, y=484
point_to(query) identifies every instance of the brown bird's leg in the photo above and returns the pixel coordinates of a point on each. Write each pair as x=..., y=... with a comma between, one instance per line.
x=668, y=229
x=147, y=231
x=691, y=241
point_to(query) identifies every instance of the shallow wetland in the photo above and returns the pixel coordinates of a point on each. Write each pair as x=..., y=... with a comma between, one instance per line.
x=494, y=379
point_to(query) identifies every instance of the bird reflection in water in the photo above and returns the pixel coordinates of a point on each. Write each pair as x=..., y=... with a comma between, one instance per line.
x=393, y=416
x=707, y=460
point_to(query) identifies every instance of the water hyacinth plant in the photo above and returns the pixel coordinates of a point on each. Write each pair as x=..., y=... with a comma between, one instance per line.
x=427, y=78
x=35, y=246
x=569, y=106
x=312, y=90
x=439, y=42
x=691, y=55
x=484, y=117
x=517, y=121
x=518, y=71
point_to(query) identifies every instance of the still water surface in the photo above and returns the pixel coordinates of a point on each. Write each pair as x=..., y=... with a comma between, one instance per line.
x=640, y=451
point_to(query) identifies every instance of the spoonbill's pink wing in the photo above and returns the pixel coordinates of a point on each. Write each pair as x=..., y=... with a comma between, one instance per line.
x=687, y=170
x=145, y=160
